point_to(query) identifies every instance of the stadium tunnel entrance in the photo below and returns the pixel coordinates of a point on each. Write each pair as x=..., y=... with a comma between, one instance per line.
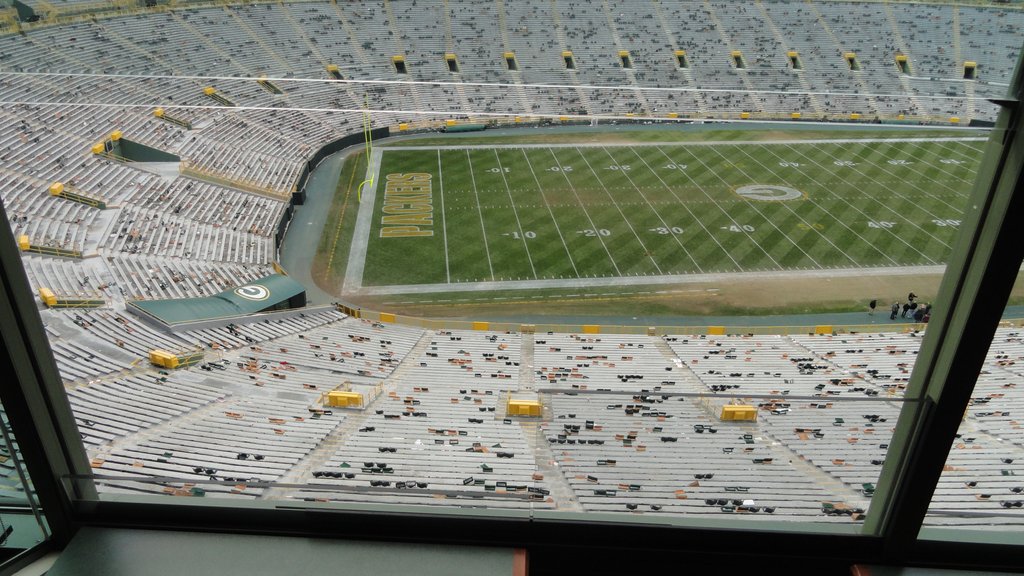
x=273, y=293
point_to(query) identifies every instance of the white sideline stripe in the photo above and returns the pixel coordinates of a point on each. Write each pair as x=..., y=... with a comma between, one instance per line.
x=444, y=225
x=364, y=220
x=701, y=143
x=584, y=283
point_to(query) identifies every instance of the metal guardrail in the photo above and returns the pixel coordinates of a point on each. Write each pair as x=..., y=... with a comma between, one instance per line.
x=657, y=330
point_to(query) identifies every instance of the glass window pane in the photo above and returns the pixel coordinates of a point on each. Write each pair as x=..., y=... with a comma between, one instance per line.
x=563, y=288
x=982, y=484
x=22, y=523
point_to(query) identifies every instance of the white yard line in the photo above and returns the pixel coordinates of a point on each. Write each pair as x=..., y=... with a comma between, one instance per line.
x=621, y=213
x=444, y=224
x=738, y=226
x=912, y=182
x=519, y=225
x=480, y=213
x=975, y=159
x=540, y=189
x=656, y=213
x=687, y=208
x=701, y=143
x=896, y=213
x=808, y=198
x=583, y=207
x=766, y=219
x=584, y=283
x=364, y=221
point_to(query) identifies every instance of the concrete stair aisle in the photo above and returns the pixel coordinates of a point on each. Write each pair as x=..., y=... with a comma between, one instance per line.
x=302, y=472
x=841, y=491
x=517, y=78
x=99, y=230
x=968, y=111
x=353, y=39
x=754, y=101
x=561, y=493
x=267, y=50
x=526, y=361
x=645, y=106
x=449, y=46
x=163, y=429
x=131, y=46
x=304, y=36
x=686, y=379
x=581, y=93
x=871, y=102
x=804, y=84
x=209, y=45
x=685, y=72
x=901, y=44
x=414, y=89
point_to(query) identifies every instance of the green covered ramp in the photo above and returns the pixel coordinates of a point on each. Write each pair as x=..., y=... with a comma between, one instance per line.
x=274, y=292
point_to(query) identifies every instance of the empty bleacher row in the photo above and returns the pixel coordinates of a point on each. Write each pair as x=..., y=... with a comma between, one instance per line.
x=235, y=443
x=622, y=363
x=439, y=435
x=669, y=455
x=143, y=277
x=144, y=231
x=113, y=409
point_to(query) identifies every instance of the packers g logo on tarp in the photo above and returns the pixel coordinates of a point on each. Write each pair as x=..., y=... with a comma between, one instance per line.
x=253, y=292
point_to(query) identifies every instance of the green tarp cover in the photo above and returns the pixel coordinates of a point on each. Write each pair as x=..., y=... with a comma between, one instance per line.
x=253, y=297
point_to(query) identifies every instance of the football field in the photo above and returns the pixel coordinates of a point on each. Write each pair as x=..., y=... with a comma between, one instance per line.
x=488, y=215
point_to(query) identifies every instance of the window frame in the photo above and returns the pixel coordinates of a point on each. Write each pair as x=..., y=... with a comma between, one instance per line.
x=973, y=293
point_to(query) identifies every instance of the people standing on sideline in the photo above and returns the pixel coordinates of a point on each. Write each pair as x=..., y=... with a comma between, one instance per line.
x=872, y=305
x=894, y=310
x=906, y=307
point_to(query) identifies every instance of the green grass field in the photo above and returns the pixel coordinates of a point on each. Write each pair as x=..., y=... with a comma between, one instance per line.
x=567, y=212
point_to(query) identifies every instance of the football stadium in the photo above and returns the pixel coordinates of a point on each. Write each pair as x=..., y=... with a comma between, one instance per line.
x=662, y=266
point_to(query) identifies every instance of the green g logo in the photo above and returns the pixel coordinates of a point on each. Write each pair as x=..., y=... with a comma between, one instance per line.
x=253, y=292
